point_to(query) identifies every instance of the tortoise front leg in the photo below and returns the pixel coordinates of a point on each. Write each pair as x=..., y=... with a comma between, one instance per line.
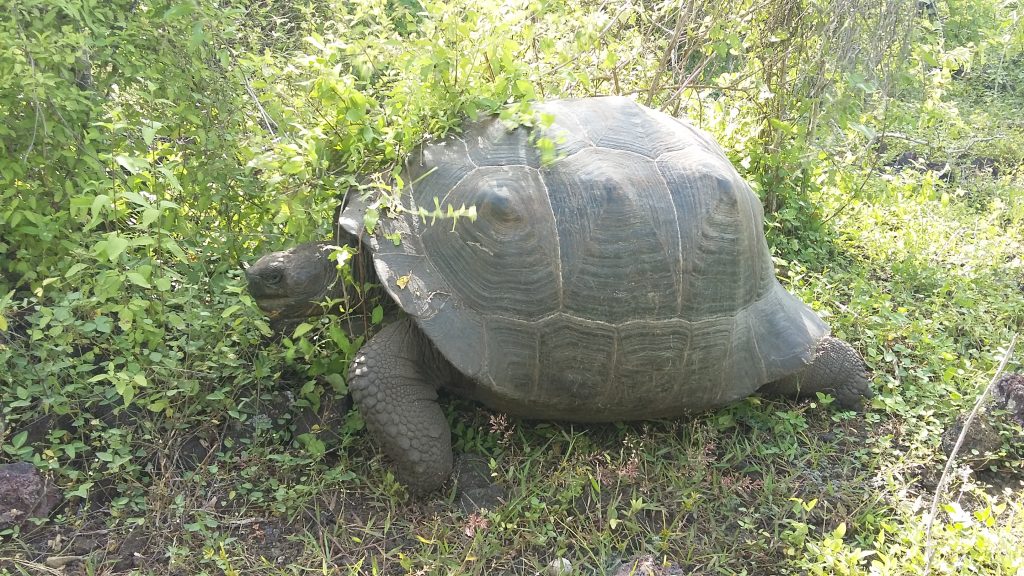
x=389, y=384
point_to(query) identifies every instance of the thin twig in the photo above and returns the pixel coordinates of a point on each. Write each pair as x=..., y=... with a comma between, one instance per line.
x=35, y=101
x=902, y=136
x=929, y=550
x=33, y=566
x=687, y=82
x=871, y=169
x=971, y=142
x=268, y=122
x=597, y=40
x=681, y=20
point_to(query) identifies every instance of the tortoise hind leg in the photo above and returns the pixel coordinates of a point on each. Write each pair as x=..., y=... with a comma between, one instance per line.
x=389, y=384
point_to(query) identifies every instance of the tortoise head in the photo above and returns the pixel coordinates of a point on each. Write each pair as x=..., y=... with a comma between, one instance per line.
x=292, y=284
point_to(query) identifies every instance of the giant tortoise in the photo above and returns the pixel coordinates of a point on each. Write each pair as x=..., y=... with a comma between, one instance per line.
x=625, y=276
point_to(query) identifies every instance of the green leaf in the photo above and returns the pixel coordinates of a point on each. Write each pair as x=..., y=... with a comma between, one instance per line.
x=377, y=315
x=148, y=133
x=124, y=387
x=313, y=445
x=132, y=164
x=19, y=439
x=113, y=246
x=162, y=284
x=100, y=202
x=339, y=337
x=293, y=166
x=197, y=37
x=171, y=245
x=263, y=328
x=149, y=215
x=180, y=9
x=337, y=382
x=136, y=198
x=75, y=269
x=172, y=180
x=370, y=220
x=525, y=88
x=301, y=330
x=355, y=114
x=138, y=279
x=104, y=324
x=82, y=491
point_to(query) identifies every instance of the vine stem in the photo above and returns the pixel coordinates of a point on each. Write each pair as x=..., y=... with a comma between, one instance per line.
x=929, y=549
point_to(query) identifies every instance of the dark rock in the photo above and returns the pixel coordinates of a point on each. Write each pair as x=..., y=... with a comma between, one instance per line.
x=986, y=165
x=195, y=449
x=914, y=161
x=474, y=486
x=24, y=494
x=983, y=441
x=908, y=159
x=927, y=9
x=85, y=544
x=327, y=421
x=980, y=444
x=1008, y=394
x=40, y=428
x=130, y=550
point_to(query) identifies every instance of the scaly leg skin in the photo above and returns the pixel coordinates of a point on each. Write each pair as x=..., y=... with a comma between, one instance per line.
x=837, y=369
x=389, y=384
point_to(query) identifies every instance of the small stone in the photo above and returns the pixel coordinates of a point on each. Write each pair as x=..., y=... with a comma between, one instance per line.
x=61, y=561
x=641, y=566
x=24, y=494
x=559, y=567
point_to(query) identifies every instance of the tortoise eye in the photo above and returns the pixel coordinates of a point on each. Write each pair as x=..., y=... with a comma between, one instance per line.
x=273, y=277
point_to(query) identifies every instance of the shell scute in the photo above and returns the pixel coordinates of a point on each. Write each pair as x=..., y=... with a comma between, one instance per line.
x=506, y=261
x=490, y=142
x=618, y=237
x=584, y=356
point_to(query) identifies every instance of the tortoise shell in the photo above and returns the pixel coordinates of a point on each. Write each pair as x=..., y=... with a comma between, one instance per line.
x=628, y=277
